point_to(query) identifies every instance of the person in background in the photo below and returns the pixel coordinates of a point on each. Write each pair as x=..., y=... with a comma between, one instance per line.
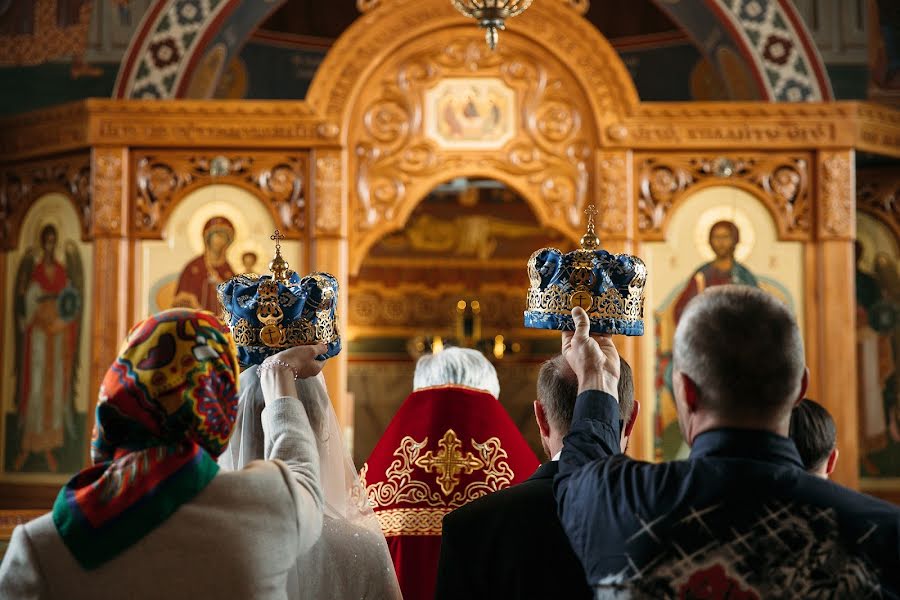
x=450, y=442
x=815, y=436
x=740, y=517
x=495, y=546
x=154, y=517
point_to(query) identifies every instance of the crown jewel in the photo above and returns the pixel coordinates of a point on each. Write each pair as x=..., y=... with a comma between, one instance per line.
x=269, y=313
x=609, y=287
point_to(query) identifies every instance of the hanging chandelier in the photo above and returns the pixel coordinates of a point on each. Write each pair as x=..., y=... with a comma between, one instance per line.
x=491, y=14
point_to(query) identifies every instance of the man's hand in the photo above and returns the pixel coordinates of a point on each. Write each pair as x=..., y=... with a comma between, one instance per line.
x=594, y=360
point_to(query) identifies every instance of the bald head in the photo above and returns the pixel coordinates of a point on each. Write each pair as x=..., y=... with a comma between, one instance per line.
x=742, y=348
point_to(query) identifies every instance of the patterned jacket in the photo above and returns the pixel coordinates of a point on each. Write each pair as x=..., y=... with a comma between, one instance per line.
x=740, y=519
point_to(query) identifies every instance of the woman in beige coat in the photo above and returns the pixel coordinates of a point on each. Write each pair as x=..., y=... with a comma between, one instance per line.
x=154, y=517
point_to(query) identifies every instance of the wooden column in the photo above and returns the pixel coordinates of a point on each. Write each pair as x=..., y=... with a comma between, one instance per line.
x=112, y=310
x=836, y=371
x=329, y=252
x=616, y=227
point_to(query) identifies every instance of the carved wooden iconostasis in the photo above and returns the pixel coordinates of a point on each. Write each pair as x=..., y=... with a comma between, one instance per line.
x=407, y=100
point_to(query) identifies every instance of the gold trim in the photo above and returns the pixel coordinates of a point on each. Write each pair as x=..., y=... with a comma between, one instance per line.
x=412, y=521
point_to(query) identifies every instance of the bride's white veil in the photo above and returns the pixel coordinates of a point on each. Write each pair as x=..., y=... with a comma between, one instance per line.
x=351, y=559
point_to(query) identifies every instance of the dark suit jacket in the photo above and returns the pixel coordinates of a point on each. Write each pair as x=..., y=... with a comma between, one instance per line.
x=510, y=544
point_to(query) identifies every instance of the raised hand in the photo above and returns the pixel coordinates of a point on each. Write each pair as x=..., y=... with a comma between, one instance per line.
x=594, y=360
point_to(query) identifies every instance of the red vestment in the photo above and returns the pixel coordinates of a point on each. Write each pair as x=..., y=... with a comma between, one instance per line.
x=445, y=447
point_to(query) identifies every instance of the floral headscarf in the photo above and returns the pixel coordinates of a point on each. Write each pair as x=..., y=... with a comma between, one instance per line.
x=166, y=409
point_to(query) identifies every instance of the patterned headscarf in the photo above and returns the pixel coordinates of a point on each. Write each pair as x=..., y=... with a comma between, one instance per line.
x=166, y=409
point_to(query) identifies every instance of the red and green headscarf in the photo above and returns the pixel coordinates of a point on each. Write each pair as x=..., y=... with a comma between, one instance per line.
x=166, y=409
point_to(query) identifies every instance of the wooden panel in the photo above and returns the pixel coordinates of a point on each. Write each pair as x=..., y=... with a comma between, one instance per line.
x=836, y=371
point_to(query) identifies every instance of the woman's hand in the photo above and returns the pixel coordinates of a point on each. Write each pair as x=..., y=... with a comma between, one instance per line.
x=278, y=373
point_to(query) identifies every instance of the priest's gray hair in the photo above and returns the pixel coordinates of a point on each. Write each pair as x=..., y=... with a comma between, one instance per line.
x=457, y=366
x=742, y=348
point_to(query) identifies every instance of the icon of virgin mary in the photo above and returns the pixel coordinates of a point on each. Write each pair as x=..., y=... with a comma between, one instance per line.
x=197, y=282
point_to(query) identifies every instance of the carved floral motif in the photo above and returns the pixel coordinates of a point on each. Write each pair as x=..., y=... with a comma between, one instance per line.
x=108, y=186
x=163, y=178
x=328, y=208
x=550, y=152
x=23, y=183
x=836, y=195
x=612, y=195
x=783, y=178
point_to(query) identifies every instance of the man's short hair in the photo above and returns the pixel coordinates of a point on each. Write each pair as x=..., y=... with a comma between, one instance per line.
x=557, y=388
x=743, y=349
x=457, y=366
x=813, y=432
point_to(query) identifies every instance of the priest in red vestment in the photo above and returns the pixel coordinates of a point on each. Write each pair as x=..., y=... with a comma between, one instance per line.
x=450, y=443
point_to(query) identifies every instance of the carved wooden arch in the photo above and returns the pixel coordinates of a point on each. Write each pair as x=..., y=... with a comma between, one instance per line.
x=359, y=252
x=277, y=180
x=570, y=87
x=878, y=195
x=780, y=181
x=383, y=32
x=20, y=188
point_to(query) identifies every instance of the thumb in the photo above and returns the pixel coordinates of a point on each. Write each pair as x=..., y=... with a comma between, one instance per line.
x=320, y=349
x=582, y=323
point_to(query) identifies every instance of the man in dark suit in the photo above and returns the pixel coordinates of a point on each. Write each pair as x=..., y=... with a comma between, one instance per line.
x=510, y=544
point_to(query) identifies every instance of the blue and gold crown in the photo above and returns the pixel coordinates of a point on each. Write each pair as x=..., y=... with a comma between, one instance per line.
x=270, y=313
x=610, y=287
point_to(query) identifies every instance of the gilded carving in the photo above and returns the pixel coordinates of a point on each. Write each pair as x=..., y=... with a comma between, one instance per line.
x=328, y=209
x=550, y=151
x=408, y=310
x=164, y=177
x=783, y=179
x=23, y=183
x=612, y=194
x=108, y=184
x=836, y=195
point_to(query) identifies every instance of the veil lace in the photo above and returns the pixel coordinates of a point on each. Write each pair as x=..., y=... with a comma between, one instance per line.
x=351, y=559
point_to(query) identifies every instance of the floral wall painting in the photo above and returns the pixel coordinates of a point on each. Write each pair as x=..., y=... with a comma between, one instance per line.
x=470, y=113
x=214, y=233
x=878, y=342
x=719, y=235
x=46, y=345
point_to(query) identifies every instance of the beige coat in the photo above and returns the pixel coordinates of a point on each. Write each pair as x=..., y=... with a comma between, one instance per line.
x=237, y=539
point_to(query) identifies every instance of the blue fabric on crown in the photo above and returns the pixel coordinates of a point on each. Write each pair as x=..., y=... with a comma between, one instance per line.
x=610, y=271
x=297, y=298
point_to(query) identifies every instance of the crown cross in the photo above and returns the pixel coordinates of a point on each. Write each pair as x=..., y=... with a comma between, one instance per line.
x=281, y=270
x=449, y=462
x=590, y=241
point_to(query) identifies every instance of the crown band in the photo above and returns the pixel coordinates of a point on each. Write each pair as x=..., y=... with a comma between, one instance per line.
x=299, y=333
x=608, y=305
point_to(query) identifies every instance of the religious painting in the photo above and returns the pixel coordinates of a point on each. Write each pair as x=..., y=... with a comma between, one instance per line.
x=878, y=341
x=47, y=344
x=471, y=113
x=718, y=236
x=213, y=234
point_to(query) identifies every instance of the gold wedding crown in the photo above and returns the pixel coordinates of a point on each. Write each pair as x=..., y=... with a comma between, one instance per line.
x=282, y=311
x=609, y=287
